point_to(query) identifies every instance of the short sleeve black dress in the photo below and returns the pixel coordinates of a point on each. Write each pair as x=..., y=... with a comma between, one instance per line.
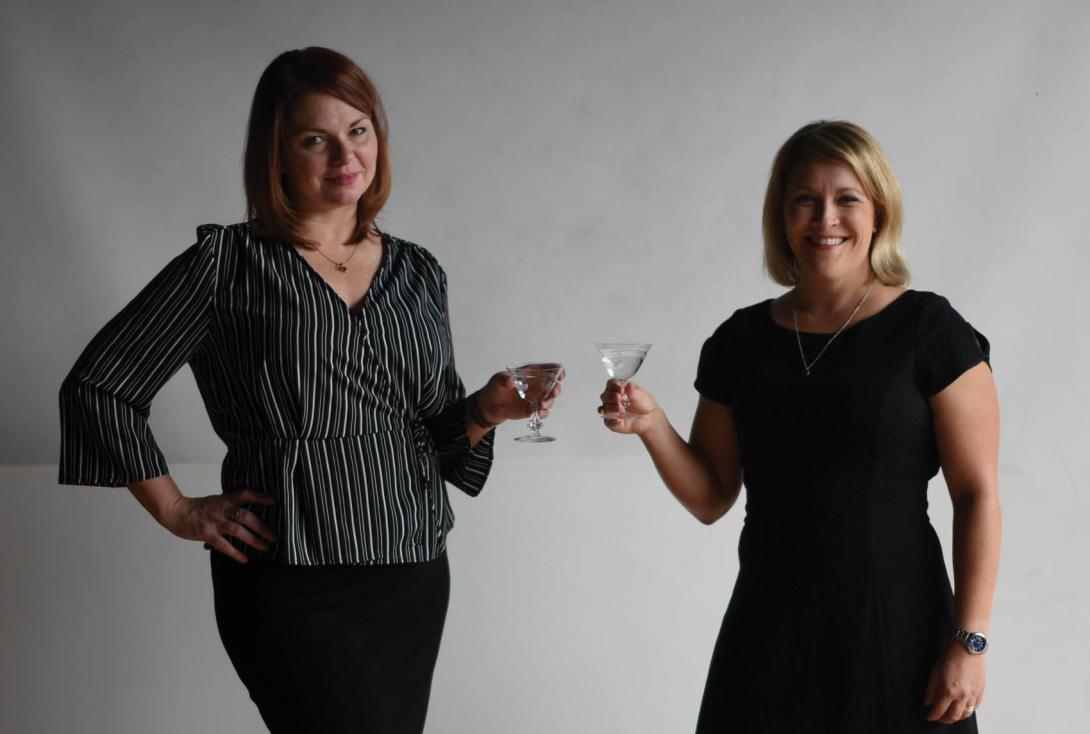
x=842, y=602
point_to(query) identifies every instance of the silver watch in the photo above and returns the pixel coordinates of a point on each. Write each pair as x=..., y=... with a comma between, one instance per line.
x=975, y=642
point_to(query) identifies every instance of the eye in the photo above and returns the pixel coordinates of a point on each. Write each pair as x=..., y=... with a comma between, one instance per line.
x=313, y=140
x=803, y=199
x=849, y=199
x=358, y=132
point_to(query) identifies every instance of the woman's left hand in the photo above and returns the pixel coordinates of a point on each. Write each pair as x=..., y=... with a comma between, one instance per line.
x=956, y=686
x=499, y=400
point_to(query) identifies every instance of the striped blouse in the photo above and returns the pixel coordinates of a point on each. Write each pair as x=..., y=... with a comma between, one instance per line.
x=351, y=420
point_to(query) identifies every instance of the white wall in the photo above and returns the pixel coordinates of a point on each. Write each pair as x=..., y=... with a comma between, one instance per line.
x=583, y=170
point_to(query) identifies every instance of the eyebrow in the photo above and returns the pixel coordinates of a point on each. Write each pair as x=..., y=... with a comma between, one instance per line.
x=351, y=125
x=843, y=189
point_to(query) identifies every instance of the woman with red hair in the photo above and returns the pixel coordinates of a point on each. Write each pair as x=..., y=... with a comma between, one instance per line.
x=322, y=349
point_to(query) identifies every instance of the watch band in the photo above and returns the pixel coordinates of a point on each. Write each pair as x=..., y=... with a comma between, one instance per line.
x=975, y=642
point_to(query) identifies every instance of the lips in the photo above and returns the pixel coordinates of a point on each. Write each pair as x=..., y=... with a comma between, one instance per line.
x=827, y=241
x=346, y=180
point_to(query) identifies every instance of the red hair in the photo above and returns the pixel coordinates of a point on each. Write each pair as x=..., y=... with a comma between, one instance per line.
x=291, y=75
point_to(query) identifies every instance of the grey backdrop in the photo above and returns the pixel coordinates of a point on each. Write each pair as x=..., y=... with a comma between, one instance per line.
x=583, y=170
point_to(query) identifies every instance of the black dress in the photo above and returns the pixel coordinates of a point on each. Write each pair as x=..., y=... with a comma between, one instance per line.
x=842, y=603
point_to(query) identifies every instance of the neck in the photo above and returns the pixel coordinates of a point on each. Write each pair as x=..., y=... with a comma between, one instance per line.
x=824, y=297
x=331, y=228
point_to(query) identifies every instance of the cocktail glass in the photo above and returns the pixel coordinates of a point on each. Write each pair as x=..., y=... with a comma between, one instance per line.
x=622, y=360
x=534, y=381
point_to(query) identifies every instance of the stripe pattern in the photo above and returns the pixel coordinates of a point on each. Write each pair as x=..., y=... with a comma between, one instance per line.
x=351, y=420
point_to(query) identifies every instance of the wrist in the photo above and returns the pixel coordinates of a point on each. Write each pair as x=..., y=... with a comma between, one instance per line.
x=160, y=496
x=971, y=642
x=478, y=412
x=655, y=426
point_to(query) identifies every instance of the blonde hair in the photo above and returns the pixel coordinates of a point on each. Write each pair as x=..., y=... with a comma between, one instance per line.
x=847, y=143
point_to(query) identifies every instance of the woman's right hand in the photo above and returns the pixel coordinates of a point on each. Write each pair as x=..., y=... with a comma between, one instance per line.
x=642, y=410
x=212, y=519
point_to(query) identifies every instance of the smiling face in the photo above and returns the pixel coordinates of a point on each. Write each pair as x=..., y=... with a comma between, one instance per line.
x=330, y=154
x=829, y=221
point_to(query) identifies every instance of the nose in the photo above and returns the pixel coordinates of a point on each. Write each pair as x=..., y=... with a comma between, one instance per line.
x=826, y=212
x=337, y=153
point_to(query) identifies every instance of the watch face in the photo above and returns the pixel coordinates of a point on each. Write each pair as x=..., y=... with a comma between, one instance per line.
x=977, y=643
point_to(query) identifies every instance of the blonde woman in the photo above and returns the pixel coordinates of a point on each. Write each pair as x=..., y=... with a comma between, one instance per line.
x=834, y=405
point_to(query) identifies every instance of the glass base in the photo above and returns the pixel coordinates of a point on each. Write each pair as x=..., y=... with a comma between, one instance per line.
x=531, y=438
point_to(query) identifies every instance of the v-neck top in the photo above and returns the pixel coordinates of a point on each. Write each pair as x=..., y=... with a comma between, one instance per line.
x=351, y=419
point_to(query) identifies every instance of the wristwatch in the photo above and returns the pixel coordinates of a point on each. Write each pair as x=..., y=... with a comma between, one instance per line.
x=974, y=642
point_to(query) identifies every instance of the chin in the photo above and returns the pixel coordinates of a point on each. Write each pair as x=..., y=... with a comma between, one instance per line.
x=344, y=199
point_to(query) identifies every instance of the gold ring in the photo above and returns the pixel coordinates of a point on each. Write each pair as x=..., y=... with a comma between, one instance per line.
x=970, y=708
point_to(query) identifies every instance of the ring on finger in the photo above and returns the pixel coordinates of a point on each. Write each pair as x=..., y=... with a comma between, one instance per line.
x=234, y=514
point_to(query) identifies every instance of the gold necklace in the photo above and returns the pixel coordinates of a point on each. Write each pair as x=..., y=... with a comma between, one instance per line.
x=807, y=367
x=341, y=266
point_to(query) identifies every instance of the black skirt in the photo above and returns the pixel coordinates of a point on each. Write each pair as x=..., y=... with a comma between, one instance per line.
x=334, y=648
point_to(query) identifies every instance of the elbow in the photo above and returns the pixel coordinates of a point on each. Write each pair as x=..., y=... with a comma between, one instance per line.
x=70, y=392
x=68, y=386
x=708, y=518
x=717, y=506
x=711, y=512
x=978, y=495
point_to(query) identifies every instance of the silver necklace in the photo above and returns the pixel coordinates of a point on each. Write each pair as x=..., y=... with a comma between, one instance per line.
x=806, y=367
x=341, y=266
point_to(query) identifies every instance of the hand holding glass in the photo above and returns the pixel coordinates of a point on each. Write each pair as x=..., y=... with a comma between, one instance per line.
x=534, y=381
x=622, y=361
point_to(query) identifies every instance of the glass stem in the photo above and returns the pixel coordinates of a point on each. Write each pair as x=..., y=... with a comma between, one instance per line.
x=624, y=395
x=535, y=420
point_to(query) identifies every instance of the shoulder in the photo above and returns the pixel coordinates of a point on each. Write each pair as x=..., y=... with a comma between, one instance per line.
x=413, y=258
x=232, y=236
x=744, y=326
x=743, y=322
x=723, y=350
x=945, y=343
x=235, y=249
x=224, y=232
x=223, y=241
x=416, y=254
x=933, y=311
x=927, y=300
x=234, y=244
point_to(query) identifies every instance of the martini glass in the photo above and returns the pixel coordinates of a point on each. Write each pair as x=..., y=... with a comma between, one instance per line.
x=534, y=381
x=622, y=360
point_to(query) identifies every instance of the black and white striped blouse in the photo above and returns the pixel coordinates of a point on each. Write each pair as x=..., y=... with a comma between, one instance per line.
x=351, y=420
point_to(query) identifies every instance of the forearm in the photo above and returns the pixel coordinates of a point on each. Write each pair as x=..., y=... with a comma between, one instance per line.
x=477, y=425
x=475, y=432
x=685, y=473
x=158, y=496
x=976, y=558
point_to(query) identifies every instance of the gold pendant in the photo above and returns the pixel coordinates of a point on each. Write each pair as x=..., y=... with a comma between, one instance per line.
x=341, y=267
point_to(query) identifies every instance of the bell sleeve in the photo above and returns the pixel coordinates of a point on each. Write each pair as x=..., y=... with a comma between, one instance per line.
x=461, y=465
x=106, y=399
